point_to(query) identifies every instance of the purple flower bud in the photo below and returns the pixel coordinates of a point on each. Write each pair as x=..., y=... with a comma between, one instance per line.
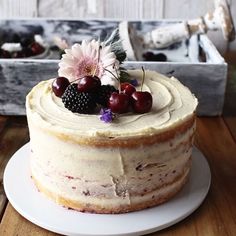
x=134, y=82
x=106, y=115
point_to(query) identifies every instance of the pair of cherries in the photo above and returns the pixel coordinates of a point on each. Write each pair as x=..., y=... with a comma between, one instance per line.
x=141, y=101
x=85, y=84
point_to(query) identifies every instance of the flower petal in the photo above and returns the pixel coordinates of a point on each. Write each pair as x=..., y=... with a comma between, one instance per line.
x=105, y=50
x=84, y=47
x=66, y=56
x=68, y=51
x=94, y=54
x=68, y=73
x=109, y=56
x=109, y=79
x=68, y=61
x=77, y=51
x=109, y=62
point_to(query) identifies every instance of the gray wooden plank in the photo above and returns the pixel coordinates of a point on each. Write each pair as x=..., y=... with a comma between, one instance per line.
x=18, y=8
x=205, y=80
x=63, y=8
x=123, y=9
x=153, y=9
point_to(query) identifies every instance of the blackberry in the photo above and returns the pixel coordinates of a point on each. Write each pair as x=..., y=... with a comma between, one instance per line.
x=78, y=102
x=104, y=93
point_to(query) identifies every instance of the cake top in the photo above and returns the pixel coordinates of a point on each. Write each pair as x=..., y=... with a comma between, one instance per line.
x=90, y=99
x=172, y=103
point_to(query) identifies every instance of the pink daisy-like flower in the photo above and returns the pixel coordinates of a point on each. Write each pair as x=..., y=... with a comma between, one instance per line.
x=82, y=59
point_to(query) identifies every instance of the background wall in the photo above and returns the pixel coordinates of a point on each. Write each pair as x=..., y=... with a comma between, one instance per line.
x=122, y=9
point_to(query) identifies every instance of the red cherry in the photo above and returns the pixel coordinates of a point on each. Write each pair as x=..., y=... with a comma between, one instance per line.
x=127, y=88
x=59, y=85
x=119, y=102
x=36, y=48
x=141, y=101
x=27, y=52
x=89, y=84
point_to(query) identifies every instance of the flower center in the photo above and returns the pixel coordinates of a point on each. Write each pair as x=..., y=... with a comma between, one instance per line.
x=88, y=66
x=89, y=69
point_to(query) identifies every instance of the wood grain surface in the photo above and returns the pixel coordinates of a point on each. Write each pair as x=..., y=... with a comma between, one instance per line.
x=215, y=137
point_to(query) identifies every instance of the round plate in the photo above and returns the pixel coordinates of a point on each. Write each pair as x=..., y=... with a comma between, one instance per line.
x=35, y=207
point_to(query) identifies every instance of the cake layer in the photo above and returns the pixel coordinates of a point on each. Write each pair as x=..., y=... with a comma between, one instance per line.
x=172, y=104
x=140, y=202
x=110, y=177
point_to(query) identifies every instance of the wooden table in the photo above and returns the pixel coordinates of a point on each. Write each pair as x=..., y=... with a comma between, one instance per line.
x=215, y=137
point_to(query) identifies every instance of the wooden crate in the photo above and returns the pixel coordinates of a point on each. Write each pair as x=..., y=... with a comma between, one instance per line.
x=207, y=80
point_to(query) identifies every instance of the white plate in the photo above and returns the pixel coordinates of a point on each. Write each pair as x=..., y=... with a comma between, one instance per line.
x=31, y=204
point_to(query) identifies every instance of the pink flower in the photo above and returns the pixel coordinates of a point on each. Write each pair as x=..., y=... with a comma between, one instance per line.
x=82, y=59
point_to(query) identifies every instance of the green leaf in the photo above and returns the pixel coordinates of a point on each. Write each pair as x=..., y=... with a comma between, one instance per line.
x=124, y=75
x=116, y=46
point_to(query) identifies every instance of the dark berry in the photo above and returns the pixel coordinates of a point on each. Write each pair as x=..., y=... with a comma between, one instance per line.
x=127, y=88
x=104, y=93
x=141, y=101
x=36, y=48
x=59, y=86
x=78, y=102
x=27, y=52
x=148, y=56
x=119, y=102
x=89, y=84
x=160, y=57
x=26, y=41
x=18, y=54
x=15, y=38
x=4, y=54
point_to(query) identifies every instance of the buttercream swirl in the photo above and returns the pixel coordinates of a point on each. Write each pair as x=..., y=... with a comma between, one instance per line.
x=172, y=103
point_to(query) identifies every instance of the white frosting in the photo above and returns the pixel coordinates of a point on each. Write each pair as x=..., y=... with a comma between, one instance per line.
x=172, y=103
x=12, y=47
x=117, y=175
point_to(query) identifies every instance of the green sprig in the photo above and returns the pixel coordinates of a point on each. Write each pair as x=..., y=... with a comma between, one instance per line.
x=116, y=46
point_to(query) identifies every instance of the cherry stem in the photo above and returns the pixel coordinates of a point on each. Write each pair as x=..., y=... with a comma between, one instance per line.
x=76, y=79
x=116, y=77
x=119, y=88
x=142, y=78
x=99, y=48
x=110, y=73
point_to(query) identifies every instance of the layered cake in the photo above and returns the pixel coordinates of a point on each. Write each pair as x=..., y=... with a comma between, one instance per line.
x=136, y=158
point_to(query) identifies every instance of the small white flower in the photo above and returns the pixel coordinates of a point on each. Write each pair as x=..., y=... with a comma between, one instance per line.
x=11, y=47
x=61, y=43
x=82, y=59
x=39, y=39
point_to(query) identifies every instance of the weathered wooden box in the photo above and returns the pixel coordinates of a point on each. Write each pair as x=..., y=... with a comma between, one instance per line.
x=206, y=78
